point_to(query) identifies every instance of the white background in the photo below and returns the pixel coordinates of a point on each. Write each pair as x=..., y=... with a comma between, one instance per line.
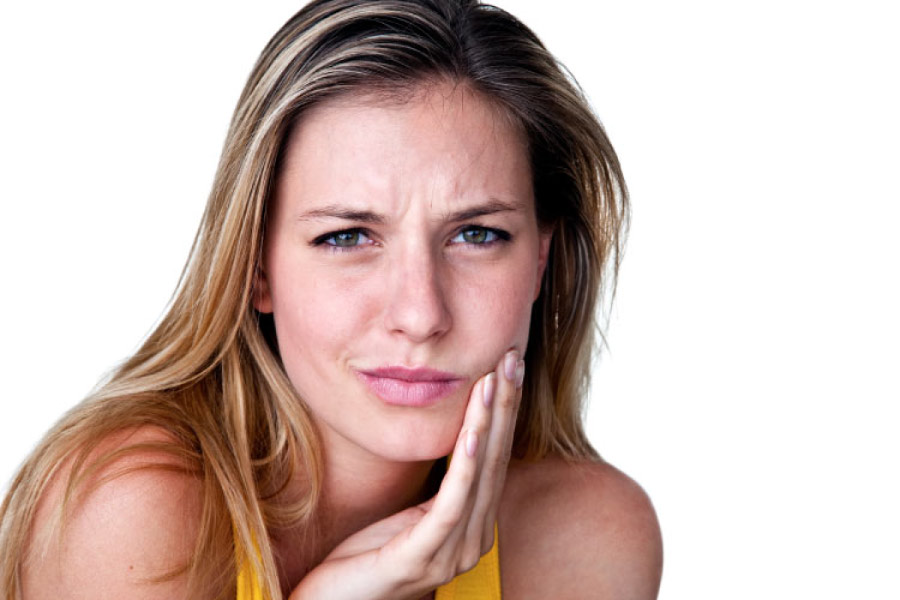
x=752, y=381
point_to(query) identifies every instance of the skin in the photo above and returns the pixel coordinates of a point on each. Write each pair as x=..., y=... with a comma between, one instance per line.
x=410, y=292
x=418, y=285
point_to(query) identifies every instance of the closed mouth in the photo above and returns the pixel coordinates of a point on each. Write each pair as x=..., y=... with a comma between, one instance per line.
x=404, y=386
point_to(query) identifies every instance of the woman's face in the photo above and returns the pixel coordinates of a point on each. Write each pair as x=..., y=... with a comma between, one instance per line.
x=402, y=260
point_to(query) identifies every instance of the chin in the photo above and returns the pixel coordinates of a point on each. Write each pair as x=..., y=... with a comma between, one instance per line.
x=417, y=444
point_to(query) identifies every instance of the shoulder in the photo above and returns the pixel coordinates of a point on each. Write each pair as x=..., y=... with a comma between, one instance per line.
x=576, y=530
x=131, y=520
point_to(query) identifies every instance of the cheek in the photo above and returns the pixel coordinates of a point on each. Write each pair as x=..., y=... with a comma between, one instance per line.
x=498, y=313
x=315, y=319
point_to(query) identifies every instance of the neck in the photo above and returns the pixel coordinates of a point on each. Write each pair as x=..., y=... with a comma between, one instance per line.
x=357, y=493
x=358, y=489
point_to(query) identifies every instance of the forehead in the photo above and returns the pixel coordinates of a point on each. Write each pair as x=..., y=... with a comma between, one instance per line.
x=443, y=139
x=453, y=102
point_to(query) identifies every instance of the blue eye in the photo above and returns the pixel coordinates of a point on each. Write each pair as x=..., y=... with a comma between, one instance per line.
x=340, y=240
x=479, y=236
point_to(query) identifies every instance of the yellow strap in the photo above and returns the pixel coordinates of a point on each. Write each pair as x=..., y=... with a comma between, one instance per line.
x=481, y=583
x=247, y=586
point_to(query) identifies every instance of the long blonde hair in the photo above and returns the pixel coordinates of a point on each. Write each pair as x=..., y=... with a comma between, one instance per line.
x=209, y=374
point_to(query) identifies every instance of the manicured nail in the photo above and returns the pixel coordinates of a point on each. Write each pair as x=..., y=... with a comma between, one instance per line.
x=509, y=365
x=471, y=443
x=488, y=390
x=520, y=373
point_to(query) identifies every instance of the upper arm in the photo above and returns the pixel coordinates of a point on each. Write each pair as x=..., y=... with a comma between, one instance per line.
x=580, y=531
x=130, y=525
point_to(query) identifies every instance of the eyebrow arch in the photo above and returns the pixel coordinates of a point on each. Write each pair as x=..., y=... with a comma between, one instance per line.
x=489, y=208
x=341, y=212
x=334, y=211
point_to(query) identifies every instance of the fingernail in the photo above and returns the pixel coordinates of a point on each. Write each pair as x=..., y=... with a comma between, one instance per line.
x=471, y=443
x=509, y=365
x=488, y=389
x=520, y=373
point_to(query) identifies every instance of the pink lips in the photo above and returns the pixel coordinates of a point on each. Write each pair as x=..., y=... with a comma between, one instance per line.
x=402, y=386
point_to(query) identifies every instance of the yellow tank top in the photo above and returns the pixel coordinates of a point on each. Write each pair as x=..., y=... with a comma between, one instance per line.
x=481, y=583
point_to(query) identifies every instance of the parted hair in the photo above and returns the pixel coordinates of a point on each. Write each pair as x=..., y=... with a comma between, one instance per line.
x=209, y=375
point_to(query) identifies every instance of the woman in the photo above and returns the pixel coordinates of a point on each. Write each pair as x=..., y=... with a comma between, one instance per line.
x=400, y=260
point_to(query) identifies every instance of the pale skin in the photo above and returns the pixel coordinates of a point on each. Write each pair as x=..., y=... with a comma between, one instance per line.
x=399, y=235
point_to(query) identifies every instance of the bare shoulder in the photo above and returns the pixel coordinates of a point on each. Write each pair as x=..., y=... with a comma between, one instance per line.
x=577, y=530
x=132, y=520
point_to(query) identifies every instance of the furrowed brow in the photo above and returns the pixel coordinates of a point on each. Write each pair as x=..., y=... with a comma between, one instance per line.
x=340, y=212
x=365, y=216
x=489, y=208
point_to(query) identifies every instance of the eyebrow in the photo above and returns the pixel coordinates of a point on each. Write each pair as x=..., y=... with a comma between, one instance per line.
x=335, y=211
x=489, y=208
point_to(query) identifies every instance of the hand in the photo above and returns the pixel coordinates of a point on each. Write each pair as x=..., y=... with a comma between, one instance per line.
x=416, y=550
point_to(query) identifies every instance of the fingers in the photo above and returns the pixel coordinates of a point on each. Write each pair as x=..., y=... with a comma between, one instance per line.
x=459, y=525
x=507, y=397
x=448, y=515
x=501, y=395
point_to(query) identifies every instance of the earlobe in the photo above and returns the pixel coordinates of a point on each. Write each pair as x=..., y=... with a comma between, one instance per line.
x=545, y=237
x=262, y=296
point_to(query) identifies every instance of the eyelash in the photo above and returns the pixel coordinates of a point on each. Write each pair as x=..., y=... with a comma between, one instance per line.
x=323, y=240
x=499, y=236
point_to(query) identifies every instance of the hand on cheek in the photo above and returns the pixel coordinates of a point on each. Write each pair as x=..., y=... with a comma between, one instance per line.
x=418, y=549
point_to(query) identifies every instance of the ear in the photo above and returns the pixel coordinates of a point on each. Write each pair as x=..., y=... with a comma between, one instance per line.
x=261, y=295
x=545, y=236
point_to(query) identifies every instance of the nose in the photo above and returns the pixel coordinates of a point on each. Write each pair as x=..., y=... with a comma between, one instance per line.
x=417, y=303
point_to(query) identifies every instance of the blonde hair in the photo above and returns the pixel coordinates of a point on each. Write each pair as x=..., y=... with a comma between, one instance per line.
x=209, y=375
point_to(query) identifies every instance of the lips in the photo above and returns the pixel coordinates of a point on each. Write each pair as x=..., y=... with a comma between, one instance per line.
x=403, y=386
